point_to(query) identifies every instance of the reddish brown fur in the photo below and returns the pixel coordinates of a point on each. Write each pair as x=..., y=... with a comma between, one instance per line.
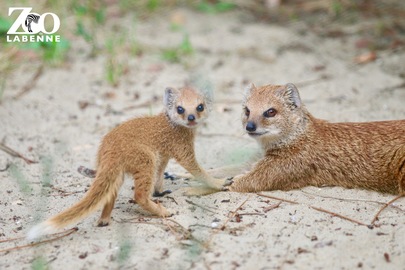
x=308, y=151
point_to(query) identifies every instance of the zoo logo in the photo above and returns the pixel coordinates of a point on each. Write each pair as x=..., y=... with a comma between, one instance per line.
x=31, y=23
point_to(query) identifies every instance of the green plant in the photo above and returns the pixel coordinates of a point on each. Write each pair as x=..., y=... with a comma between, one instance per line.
x=337, y=8
x=174, y=55
x=124, y=251
x=39, y=264
x=4, y=25
x=217, y=7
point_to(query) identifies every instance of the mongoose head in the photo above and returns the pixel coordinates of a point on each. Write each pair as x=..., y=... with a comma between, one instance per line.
x=273, y=114
x=187, y=106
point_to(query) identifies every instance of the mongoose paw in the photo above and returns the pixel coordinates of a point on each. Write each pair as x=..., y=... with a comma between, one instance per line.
x=103, y=223
x=165, y=213
x=161, y=194
x=169, y=176
x=228, y=182
x=87, y=172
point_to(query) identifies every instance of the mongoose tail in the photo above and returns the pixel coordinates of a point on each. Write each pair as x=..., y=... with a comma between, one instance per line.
x=103, y=190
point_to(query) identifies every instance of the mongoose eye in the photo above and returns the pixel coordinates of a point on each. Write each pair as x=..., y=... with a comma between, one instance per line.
x=247, y=112
x=200, y=108
x=270, y=113
x=180, y=110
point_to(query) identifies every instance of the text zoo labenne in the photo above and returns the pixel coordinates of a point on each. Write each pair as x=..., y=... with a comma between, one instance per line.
x=33, y=26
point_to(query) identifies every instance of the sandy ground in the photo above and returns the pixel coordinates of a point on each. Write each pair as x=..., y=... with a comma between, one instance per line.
x=47, y=124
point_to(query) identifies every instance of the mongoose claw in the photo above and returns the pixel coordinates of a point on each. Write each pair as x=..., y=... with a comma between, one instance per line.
x=225, y=189
x=169, y=176
x=161, y=194
x=228, y=182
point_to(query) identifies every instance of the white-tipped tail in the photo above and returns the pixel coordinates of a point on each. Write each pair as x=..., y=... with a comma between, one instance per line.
x=40, y=230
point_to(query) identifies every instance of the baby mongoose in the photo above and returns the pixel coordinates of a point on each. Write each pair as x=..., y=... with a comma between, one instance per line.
x=301, y=150
x=141, y=148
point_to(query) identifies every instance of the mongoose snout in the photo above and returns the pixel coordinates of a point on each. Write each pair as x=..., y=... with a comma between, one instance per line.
x=251, y=126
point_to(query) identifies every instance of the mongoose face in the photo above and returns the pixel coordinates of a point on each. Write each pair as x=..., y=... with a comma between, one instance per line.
x=272, y=112
x=187, y=106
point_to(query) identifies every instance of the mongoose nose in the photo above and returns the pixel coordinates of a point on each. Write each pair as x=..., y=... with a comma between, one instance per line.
x=191, y=117
x=250, y=126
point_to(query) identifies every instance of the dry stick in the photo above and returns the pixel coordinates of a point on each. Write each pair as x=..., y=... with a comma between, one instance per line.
x=309, y=82
x=338, y=215
x=144, y=104
x=13, y=153
x=385, y=206
x=271, y=207
x=316, y=208
x=350, y=199
x=207, y=243
x=275, y=198
x=66, y=233
x=202, y=207
x=31, y=84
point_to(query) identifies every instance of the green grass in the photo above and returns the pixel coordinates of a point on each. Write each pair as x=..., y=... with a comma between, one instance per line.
x=175, y=55
x=214, y=8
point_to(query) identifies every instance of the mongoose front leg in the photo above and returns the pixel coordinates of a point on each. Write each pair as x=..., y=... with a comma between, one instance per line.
x=190, y=163
x=262, y=178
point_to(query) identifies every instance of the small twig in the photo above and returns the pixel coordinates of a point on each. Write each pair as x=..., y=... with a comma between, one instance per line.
x=271, y=207
x=316, y=208
x=31, y=83
x=144, y=104
x=221, y=228
x=309, y=82
x=200, y=206
x=173, y=199
x=338, y=215
x=233, y=214
x=64, y=192
x=276, y=198
x=251, y=214
x=6, y=168
x=13, y=153
x=64, y=234
x=385, y=206
x=350, y=199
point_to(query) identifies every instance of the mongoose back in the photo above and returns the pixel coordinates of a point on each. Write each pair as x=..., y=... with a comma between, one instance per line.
x=301, y=150
x=142, y=147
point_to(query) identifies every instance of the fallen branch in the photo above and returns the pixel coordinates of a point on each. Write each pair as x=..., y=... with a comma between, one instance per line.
x=221, y=228
x=276, y=198
x=385, y=206
x=13, y=153
x=350, y=199
x=200, y=206
x=64, y=192
x=316, y=208
x=271, y=207
x=338, y=215
x=31, y=83
x=64, y=234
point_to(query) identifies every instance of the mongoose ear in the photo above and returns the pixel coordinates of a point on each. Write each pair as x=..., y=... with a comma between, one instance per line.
x=249, y=88
x=292, y=95
x=248, y=91
x=208, y=97
x=169, y=97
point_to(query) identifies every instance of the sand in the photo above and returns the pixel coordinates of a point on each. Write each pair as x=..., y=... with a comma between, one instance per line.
x=225, y=230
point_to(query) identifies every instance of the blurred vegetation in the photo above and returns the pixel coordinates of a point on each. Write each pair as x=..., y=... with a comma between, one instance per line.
x=92, y=20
